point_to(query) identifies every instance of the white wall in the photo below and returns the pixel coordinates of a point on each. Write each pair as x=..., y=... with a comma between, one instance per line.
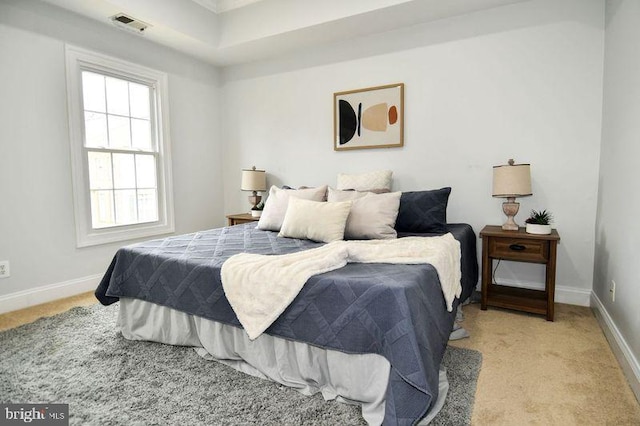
x=617, y=229
x=522, y=81
x=36, y=209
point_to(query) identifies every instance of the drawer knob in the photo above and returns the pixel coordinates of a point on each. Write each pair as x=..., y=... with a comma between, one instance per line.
x=517, y=247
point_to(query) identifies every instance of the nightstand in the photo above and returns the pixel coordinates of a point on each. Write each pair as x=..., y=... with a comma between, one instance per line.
x=518, y=246
x=237, y=219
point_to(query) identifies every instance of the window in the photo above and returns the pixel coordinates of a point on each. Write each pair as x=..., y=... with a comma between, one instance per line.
x=119, y=148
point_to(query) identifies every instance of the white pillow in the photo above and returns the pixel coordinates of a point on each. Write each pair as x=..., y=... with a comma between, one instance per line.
x=276, y=205
x=366, y=181
x=373, y=217
x=313, y=220
x=334, y=195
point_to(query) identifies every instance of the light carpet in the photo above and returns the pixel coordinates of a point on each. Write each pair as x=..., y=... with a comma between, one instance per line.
x=78, y=358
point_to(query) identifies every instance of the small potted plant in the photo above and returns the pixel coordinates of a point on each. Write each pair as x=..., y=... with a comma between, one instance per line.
x=539, y=222
x=257, y=210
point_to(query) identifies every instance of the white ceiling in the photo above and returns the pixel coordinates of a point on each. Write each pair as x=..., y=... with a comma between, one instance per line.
x=229, y=32
x=221, y=6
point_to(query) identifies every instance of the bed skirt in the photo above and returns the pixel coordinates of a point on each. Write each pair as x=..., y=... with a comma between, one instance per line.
x=349, y=378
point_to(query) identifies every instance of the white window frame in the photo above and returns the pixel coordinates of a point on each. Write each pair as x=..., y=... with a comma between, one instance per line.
x=78, y=60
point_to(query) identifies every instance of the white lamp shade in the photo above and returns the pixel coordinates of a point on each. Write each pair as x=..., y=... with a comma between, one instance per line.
x=511, y=180
x=254, y=180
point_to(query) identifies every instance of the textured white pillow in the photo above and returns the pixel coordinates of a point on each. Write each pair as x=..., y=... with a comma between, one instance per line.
x=276, y=205
x=373, y=217
x=334, y=195
x=313, y=220
x=380, y=179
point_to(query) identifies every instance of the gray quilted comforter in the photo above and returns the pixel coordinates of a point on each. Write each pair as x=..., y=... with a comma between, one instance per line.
x=397, y=311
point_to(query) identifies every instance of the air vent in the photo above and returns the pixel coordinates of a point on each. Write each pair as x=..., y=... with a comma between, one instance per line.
x=124, y=19
x=127, y=22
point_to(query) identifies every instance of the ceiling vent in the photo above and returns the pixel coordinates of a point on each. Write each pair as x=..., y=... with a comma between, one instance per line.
x=128, y=23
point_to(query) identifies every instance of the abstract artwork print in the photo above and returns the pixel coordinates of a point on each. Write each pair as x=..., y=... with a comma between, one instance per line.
x=369, y=118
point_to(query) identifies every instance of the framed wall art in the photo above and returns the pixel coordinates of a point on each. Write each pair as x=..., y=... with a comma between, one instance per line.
x=369, y=118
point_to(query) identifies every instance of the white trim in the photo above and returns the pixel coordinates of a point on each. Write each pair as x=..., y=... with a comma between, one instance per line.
x=622, y=351
x=78, y=59
x=572, y=295
x=564, y=294
x=48, y=293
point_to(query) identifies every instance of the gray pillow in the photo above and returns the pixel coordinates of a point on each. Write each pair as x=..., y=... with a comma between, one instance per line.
x=423, y=211
x=373, y=217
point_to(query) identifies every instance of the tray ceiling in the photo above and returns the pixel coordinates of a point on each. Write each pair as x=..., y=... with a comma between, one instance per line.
x=229, y=32
x=221, y=6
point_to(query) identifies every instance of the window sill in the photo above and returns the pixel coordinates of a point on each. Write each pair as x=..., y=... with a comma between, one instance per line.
x=122, y=233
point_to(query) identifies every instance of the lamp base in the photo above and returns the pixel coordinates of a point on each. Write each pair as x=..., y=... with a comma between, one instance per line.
x=254, y=199
x=510, y=208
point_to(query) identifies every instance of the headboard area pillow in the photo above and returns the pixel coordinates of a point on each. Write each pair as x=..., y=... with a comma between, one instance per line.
x=423, y=211
x=378, y=180
x=334, y=195
x=373, y=217
x=304, y=187
x=276, y=205
x=314, y=220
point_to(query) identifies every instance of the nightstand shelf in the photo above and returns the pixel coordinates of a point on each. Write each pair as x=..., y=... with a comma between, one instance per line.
x=519, y=246
x=240, y=218
x=522, y=299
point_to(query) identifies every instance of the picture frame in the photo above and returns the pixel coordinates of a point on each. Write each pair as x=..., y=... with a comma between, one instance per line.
x=372, y=117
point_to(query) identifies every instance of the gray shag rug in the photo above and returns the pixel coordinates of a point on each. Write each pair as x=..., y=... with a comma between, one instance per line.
x=79, y=358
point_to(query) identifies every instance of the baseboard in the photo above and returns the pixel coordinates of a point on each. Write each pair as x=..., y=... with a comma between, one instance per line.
x=628, y=362
x=48, y=293
x=573, y=296
x=568, y=295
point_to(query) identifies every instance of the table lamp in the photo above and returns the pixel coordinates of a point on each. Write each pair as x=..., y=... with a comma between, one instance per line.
x=511, y=181
x=254, y=180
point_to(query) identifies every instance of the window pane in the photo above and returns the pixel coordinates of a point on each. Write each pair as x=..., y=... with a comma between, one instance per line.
x=102, y=209
x=126, y=206
x=139, y=98
x=93, y=91
x=124, y=172
x=119, y=132
x=95, y=129
x=147, y=205
x=117, y=96
x=100, y=170
x=146, y=171
x=141, y=134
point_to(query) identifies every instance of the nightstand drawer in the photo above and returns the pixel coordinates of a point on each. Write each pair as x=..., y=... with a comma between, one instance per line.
x=519, y=249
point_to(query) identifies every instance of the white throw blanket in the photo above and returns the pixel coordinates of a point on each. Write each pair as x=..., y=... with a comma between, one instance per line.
x=260, y=287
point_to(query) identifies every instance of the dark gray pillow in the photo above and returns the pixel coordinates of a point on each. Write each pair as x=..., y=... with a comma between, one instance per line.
x=423, y=211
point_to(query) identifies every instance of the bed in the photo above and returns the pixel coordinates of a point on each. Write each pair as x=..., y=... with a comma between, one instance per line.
x=372, y=334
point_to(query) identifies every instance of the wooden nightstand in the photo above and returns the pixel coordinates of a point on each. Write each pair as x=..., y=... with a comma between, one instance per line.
x=237, y=219
x=519, y=246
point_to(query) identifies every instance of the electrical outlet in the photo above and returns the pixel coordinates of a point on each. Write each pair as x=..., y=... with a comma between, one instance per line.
x=613, y=291
x=5, y=272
